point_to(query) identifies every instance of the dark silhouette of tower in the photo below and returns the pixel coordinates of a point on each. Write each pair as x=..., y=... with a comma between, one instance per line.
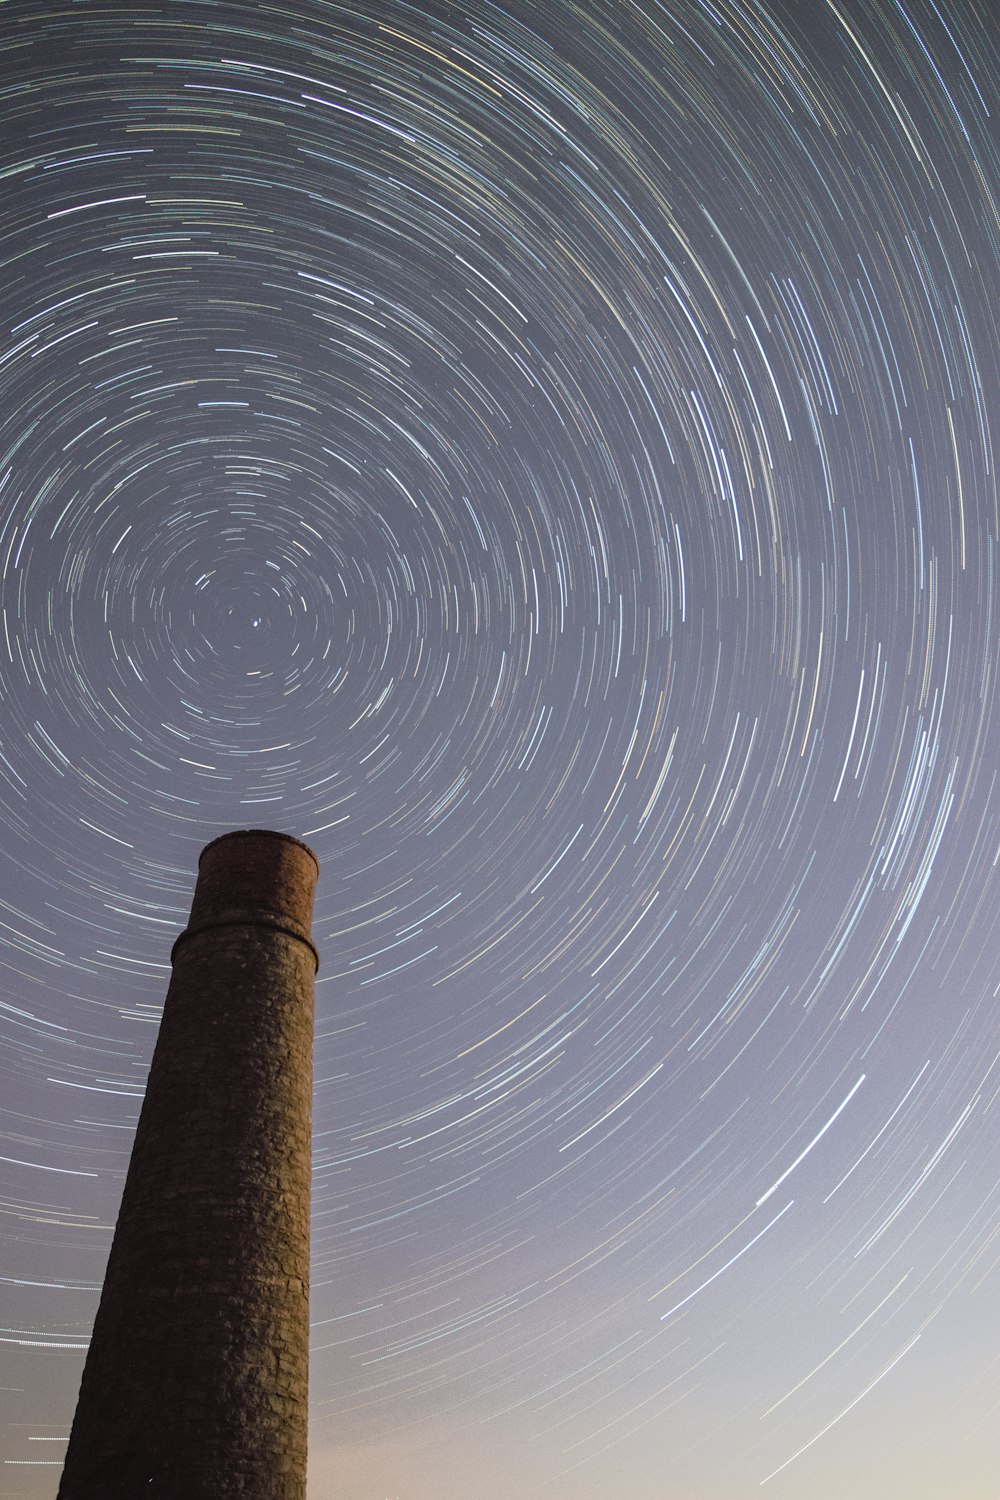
x=196, y=1380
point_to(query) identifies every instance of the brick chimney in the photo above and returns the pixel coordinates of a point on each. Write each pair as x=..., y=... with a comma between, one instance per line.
x=196, y=1381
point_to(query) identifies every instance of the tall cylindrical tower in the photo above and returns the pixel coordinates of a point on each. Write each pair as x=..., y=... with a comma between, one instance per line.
x=196, y=1380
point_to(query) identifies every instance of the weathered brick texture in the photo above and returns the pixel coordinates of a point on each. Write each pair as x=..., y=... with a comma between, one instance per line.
x=196, y=1382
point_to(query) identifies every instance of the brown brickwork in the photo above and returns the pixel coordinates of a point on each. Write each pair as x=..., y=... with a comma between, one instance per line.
x=196, y=1382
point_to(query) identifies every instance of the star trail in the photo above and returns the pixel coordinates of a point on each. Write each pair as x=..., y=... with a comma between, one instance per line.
x=543, y=456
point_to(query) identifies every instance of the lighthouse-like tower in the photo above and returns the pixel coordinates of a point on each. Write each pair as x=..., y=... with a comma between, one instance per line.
x=196, y=1381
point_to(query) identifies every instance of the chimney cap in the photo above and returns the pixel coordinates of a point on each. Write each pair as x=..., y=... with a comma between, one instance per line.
x=258, y=833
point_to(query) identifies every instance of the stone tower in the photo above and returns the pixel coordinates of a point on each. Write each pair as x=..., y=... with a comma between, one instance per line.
x=196, y=1382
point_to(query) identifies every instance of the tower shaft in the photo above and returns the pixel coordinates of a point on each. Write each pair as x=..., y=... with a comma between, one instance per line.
x=196, y=1381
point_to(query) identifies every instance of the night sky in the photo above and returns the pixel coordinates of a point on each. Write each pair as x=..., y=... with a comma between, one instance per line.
x=542, y=455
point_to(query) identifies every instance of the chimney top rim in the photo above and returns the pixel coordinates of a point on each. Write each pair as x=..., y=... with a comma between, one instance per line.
x=258, y=833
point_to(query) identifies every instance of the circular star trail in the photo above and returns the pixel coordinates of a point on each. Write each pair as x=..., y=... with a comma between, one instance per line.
x=542, y=456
